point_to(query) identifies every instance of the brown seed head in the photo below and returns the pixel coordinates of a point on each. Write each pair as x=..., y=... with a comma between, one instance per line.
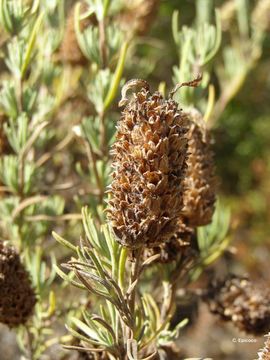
x=17, y=298
x=238, y=300
x=200, y=181
x=149, y=164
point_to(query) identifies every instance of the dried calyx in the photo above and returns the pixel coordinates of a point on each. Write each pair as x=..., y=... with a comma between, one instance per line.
x=149, y=165
x=17, y=297
x=240, y=301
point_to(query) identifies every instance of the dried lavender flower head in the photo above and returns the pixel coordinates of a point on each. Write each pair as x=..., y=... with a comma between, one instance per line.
x=70, y=51
x=17, y=298
x=149, y=165
x=138, y=15
x=240, y=301
x=200, y=180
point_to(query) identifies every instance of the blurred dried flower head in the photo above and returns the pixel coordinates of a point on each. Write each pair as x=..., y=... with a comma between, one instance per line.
x=138, y=15
x=3, y=138
x=227, y=14
x=200, y=180
x=17, y=298
x=238, y=300
x=149, y=164
x=70, y=51
x=261, y=15
x=264, y=354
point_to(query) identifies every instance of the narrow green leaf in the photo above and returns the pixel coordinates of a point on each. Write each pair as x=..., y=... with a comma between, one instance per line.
x=175, y=31
x=66, y=278
x=116, y=77
x=85, y=329
x=5, y=18
x=30, y=44
x=218, y=38
x=64, y=242
x=82, y=337
x=122, y=267
x=90, y=229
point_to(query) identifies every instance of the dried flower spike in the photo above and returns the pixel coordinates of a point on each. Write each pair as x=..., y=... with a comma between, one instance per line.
x=17, y=298
x=200, y=181
x=238, y=300
x=70, y=51
x=138, y=15
x=149, y=164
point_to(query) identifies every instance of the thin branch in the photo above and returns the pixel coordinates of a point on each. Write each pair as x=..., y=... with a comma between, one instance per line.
x=59, y=147
x=44, y=217
x=27, y=202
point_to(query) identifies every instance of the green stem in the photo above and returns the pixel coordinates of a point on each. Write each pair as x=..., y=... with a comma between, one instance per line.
x=102, y=43
x=135, y=272
x=122, y=267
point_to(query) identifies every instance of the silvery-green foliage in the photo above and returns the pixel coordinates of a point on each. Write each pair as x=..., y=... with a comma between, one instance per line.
x=88, y=41
x=98, y=88
x=13, y=15
x=9, y=173
x=17, y=132
x=8, y=99
x=197, y=46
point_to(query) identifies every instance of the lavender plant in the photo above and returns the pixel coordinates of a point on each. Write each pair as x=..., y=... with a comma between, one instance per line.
x=130, y=197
